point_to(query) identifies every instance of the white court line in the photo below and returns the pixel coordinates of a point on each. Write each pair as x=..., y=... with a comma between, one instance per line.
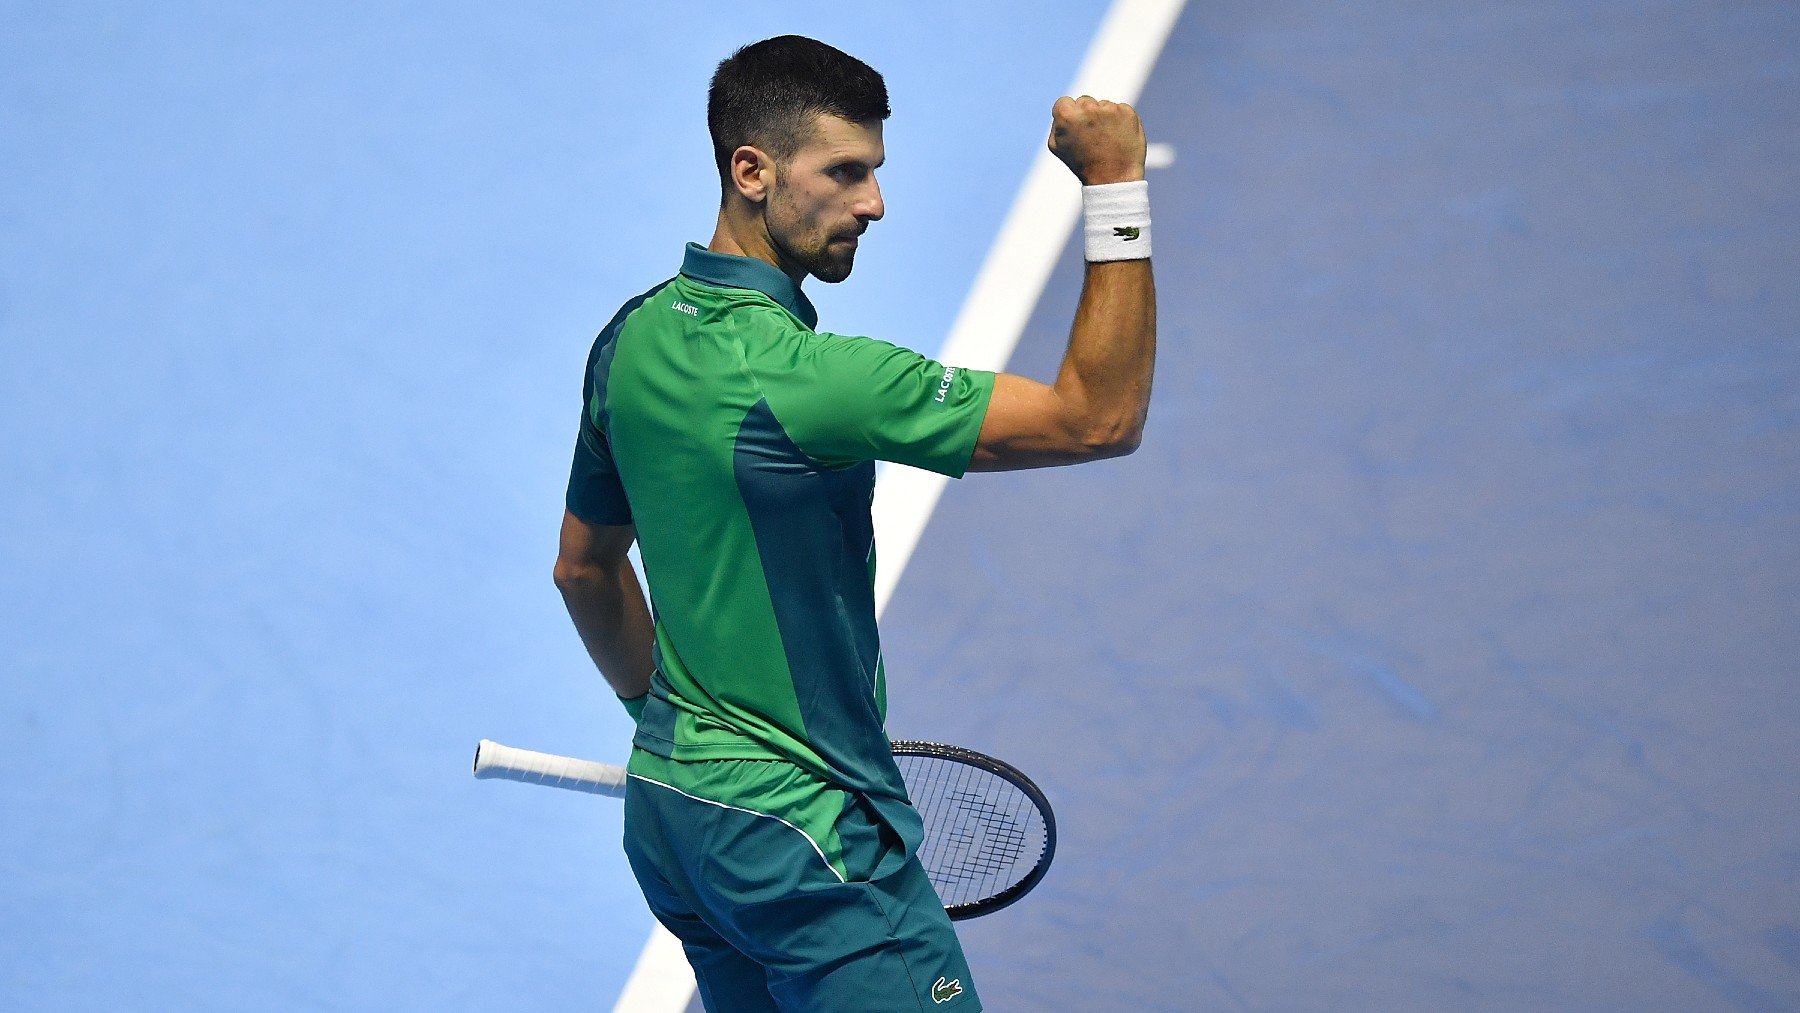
x=999, y=305
x=1012, y=278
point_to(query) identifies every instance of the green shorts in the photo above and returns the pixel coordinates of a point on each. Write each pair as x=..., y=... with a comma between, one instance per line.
x=763, y=872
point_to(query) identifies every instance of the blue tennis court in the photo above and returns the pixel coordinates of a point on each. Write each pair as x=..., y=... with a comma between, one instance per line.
x=1436, y=651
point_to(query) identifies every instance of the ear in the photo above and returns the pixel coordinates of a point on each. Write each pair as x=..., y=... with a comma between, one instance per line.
x=752, y=172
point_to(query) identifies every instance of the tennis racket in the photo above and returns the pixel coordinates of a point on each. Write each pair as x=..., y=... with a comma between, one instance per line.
x=989, y=831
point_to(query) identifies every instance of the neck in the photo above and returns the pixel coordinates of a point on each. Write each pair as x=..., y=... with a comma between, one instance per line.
x=743, y=232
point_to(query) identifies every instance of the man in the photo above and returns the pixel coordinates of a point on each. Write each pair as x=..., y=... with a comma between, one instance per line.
x=765, y=819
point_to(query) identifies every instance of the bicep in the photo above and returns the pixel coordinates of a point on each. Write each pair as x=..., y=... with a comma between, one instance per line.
x=1028, y=425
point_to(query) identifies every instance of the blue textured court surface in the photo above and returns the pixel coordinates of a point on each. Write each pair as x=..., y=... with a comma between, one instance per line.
x=1437, y=651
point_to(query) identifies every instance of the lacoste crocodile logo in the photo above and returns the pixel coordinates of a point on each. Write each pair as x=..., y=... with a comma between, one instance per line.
x=944, y=991
x=1128, y=233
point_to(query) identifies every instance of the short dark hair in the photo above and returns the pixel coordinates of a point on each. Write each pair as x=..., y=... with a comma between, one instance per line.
x=764, y=94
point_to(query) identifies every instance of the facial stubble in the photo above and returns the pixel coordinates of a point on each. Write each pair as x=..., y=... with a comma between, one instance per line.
x=819, y=263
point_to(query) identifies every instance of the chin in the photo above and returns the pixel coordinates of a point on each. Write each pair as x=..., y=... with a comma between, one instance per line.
x=831, y=270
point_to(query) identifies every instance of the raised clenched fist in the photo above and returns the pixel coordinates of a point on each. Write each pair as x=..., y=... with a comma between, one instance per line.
x=1100, y=142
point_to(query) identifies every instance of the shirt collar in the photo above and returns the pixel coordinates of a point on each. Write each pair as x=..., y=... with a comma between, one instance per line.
x=729, y=271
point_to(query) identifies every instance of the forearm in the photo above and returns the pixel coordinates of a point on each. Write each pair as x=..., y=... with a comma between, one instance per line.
x=1097, y=405
x=608, y=608
x=1105, y=376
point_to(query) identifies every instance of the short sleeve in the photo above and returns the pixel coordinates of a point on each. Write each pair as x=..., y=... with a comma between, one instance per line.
x=595, y=493
x=848, y=399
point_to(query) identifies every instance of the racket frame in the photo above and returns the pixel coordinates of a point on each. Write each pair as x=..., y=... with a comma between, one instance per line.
x=1016, y=777
x=494, y=760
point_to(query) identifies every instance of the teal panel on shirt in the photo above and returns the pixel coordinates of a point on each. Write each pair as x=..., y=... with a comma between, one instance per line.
x=814, y=536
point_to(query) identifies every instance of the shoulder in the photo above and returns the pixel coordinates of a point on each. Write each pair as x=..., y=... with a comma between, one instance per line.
x=610, y=333
x=636, y=303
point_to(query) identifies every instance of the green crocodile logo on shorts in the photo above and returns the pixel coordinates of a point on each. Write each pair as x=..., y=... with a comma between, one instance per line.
x=1127, y=232
x=944, y=991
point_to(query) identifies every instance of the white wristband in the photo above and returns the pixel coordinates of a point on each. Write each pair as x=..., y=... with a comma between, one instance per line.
x=1118, y=220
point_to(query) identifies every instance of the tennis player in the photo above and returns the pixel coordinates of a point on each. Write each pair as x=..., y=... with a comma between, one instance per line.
x=735, y=442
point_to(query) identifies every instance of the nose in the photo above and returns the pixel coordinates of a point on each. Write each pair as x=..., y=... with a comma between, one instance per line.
x=869, y=207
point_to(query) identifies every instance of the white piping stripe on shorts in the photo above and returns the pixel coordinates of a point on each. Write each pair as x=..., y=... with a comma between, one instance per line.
x=753, y=812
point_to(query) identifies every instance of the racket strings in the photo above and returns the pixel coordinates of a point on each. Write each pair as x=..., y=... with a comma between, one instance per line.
x=983, y=834
x=1002, y=845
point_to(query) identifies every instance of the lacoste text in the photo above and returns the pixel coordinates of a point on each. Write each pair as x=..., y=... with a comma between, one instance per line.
x=944, y=388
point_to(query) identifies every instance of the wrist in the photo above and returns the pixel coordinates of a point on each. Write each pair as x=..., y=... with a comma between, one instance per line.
x=1107, y=178
x=1116, y=220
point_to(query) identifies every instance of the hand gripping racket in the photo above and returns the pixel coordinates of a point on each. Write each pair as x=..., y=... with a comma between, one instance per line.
x=989, y=831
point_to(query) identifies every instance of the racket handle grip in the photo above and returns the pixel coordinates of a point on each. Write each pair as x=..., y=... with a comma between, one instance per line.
x=493, y=760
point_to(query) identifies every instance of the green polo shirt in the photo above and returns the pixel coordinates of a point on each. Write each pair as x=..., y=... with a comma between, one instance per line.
x=741, y=442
